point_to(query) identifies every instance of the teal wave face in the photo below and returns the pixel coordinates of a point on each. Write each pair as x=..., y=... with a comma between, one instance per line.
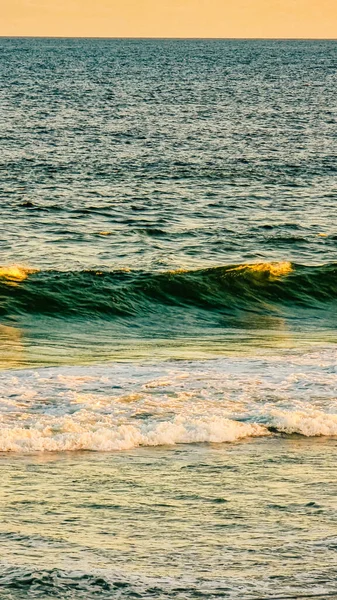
x=264, y=288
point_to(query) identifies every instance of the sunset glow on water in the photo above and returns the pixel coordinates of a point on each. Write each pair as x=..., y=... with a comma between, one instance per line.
x=168, y=303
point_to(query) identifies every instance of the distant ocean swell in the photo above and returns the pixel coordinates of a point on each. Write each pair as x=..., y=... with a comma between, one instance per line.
x=260, y=287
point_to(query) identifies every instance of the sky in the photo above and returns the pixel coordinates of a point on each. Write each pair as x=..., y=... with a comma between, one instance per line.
x=170, y=18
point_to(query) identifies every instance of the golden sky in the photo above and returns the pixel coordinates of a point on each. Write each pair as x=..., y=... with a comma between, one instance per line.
x=170, y=18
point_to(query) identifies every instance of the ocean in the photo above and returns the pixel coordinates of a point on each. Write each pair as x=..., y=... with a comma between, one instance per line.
x=168, y=305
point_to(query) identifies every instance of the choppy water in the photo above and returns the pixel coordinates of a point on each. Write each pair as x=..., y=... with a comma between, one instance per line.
x=168, y=301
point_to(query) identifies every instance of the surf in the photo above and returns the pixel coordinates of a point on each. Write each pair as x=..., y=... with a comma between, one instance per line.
x=263, y=287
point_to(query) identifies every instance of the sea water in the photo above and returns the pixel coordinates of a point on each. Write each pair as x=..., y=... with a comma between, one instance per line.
x=168, y=285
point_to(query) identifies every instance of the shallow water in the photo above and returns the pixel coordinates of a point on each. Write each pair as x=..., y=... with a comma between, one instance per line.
x=168, y=302
x=248, y=520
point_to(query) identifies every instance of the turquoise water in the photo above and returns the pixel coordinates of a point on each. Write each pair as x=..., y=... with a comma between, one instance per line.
x=168, y=301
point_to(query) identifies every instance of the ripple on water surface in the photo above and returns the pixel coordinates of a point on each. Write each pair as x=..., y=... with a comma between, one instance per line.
x=235, y=521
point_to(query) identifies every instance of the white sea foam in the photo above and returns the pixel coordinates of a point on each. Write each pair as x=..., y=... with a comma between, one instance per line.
x=68, y=435
x=123, y=406
x=307, y=422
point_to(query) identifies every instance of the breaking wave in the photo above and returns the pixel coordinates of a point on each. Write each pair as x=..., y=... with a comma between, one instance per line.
x=261, y=287
x=70, y=434
x=124, y=406
x=67, y=435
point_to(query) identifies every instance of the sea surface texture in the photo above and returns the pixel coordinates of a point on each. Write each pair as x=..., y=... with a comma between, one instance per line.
x=168, y=306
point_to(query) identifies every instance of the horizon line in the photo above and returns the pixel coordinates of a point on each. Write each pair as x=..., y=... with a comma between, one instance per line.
x=103, y=37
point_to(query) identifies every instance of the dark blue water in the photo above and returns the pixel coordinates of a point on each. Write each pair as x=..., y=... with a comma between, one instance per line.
x=168, y=305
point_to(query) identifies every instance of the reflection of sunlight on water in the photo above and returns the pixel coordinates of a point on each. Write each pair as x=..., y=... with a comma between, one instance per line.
x=11, y=347
x=269, y=270
x=43, y=346
x=272, y=510
x=262, y=331
x=13, y=274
